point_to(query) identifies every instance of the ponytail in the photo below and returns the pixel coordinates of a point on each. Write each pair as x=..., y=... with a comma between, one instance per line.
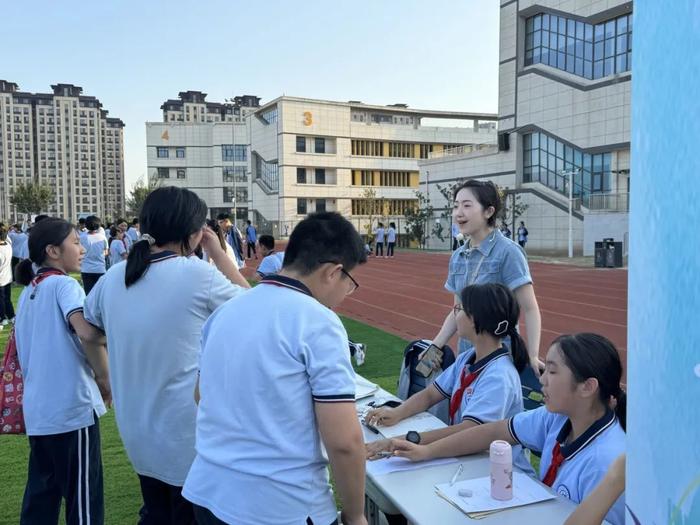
x=137, y=262
x=621, y=408
x=518, y=351
x=24, y=273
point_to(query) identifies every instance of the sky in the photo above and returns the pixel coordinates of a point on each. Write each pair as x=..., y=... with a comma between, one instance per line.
x=134, y=55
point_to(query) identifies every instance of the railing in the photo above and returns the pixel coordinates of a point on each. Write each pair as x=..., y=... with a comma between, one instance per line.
x=607, y=202
x=464, y=150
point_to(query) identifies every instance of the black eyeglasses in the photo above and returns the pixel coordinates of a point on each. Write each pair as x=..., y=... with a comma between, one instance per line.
x=355, y=284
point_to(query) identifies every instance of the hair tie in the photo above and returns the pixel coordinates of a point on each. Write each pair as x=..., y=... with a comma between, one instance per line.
x=150, y=240
x=502, y=328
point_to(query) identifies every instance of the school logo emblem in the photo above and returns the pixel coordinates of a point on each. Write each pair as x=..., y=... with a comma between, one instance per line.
x=563, y=491
x=468, y=391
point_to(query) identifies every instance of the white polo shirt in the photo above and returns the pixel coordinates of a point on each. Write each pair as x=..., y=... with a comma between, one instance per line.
x=117, y=249
x=494, y=395
x=95, y=245
x=259, y=456
x=6, y=263
x=20, y=244
x=60, y=393
x=586, y=459
x=153, y=364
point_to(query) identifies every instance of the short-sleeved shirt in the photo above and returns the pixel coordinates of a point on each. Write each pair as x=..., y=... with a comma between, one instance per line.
x=133, y=234
x=60, y=393
x=20, y=245
x=128, y=242
x=391, y=235
x=494, y=395
x=117, y=249
x=5, y=263
x=259, y=455
x=586, y=459
x=496, y=260
x=95, y=245
x=251, y=234
x=272, y=263
x=379, y=232
x=153, y=364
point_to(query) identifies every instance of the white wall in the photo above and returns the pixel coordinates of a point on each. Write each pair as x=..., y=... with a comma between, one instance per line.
x=599, y=226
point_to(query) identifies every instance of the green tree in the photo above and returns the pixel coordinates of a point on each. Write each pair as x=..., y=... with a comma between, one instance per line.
x=32, y=197
x=371, y=204
x=139, y=192
x=417, y=219
x=513, y=207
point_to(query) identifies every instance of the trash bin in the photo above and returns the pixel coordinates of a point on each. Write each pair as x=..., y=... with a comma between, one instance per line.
x=608, y=254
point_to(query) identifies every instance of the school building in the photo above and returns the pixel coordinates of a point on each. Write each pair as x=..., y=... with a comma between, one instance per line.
x=293, y=156
x=65, y=140
x=563, y=118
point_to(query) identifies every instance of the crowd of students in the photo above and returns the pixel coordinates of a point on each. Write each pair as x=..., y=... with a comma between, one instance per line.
x=226, y=398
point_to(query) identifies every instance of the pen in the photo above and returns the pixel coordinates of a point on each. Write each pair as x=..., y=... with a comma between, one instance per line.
x=459, y=471
x=384, y=454
x=370, y=427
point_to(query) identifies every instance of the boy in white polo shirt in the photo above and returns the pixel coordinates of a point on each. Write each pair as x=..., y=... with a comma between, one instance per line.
x=271, y=395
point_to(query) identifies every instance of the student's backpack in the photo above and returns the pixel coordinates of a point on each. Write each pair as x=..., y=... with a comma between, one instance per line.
x=11, y=391
x=411, y=382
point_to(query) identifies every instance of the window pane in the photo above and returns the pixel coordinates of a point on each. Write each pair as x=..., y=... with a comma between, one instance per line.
x=580, y=30
x=598, y=50
x=579, y=48
x=545, y=22
x=588, y=32
x=622, y=25
x=570, y=27
x=527, y=141
x=562, y=25
x=621, y=64
x=598, y=69
x=529, y=41
x=561, y=60
x=579, y=67
x=301, y=144
x=599, y=32
x=570, y=63
x=536, y=57
x=537, y=38
x=570, y=45
x=610, y=29
x=609, y=66
x=621, y=46
x=537, y=22
x=529, y=25
x=609, y=47
x=535, y=140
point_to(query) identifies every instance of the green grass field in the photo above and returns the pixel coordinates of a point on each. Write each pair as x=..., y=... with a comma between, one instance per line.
x=122, y=494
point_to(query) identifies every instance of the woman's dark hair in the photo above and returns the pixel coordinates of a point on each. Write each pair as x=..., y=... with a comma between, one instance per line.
x=218, y=231
x=591, y=355
x=92, y=223
x=494, y=309
x=327, y=237
x=49, y=232
x=392, y=225
x=168, y=215
x=486, y=193
x=113, y=232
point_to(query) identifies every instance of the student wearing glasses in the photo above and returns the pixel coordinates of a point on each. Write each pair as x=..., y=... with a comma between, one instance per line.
x=488, y=257
x=273, y=394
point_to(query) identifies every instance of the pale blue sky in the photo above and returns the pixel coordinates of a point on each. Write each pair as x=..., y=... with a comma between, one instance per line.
x=133, y=55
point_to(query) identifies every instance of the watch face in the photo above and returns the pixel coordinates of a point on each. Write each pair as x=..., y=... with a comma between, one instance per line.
x=413, y=437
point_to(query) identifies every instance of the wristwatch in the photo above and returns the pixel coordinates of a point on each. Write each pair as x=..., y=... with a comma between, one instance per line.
x=413, y=437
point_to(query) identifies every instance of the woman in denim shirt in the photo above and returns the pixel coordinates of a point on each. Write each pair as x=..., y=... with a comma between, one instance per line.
x=488, y=257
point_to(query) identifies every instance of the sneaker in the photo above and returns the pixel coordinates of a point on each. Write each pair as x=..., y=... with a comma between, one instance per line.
x=4, y=322
x=359, y=354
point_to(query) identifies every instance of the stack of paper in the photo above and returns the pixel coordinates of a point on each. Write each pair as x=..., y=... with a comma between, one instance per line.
x=525, y=492
x=364, y=388
x=422, y=422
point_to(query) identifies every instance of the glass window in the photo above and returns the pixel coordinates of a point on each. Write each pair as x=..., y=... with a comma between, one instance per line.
x=301, y=144
x=301, y=206
x=228, y=194
x=163, y=173
x=162, y=153
x=301, y=175
x=320, y=176
x=180, y=153
x=181, y=173
x=227, y=174
x=320, y=204
x=320, y=145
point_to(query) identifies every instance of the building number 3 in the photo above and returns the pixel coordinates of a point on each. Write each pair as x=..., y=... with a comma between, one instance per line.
x=308, y=118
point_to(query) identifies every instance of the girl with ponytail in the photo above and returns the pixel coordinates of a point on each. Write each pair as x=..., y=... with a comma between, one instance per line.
x=66, y=380
x=580, y=431
x=483, y=384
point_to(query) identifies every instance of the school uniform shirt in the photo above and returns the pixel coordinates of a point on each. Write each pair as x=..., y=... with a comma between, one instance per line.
x=5, y=263
x=494, y=395
x=153, y=364
x=496, y=260
x=379, y=232
x=251, y=234
x=117, y=249
x=20, y=245
x=391, y=235
x=271, y=264
x=128, y=243
x=229, y=252
x=95, y=245
x=133, y=234
x=60, y=393
x=259, y=454
x=586, y=459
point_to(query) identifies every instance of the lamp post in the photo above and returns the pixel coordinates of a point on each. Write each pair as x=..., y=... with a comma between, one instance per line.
x=571, y=174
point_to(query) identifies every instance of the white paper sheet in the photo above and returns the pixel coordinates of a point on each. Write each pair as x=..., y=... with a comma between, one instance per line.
x=397, y=464
x=420, y=423
x=525, y=492
x=364, y=388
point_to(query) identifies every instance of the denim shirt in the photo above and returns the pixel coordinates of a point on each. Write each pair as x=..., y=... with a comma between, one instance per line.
x=496, y=260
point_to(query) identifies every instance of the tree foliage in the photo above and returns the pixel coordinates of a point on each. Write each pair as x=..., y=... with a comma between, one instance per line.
x=417, y=220
x=32, y=197
x=139, y=191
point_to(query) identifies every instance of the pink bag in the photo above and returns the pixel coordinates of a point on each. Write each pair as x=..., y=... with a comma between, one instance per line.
x=11, y=391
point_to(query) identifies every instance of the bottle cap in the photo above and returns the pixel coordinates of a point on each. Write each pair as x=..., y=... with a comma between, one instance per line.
x=501, y=451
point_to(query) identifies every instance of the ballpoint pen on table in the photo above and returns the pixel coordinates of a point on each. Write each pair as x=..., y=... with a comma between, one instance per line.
x=457, y=474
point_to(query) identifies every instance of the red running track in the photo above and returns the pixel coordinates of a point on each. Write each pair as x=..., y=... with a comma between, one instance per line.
x=406, y=297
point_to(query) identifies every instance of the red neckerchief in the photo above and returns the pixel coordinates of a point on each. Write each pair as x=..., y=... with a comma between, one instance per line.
x=557, y=460
x=464, y=382
x=43, y=275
